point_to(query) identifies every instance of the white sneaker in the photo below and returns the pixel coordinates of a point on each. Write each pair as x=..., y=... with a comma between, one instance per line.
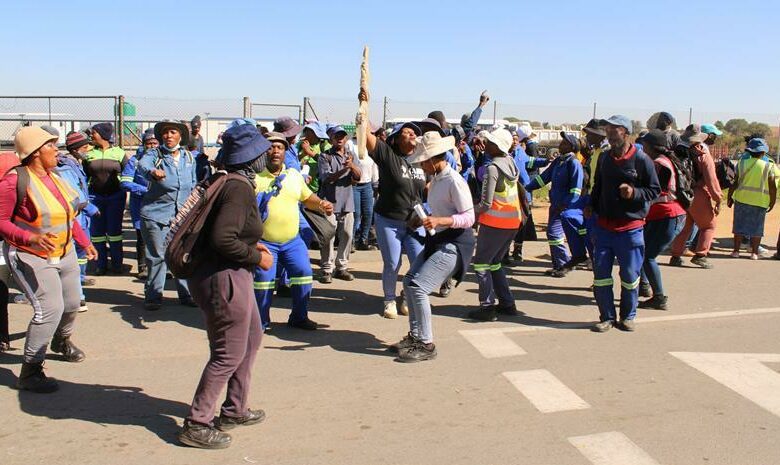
x=403, y=309
x=391, y=311
x=754, y=256
x=763, y=251
x=735, y=254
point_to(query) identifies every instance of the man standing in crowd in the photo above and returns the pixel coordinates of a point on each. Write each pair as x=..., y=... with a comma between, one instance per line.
x=624, y=186
x=195, y=136
x=280, y=192
x=290, y=128
x=133, y=182
x=337, y=173
x=525, y=164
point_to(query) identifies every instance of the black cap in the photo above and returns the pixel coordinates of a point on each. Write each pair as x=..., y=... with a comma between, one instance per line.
x=596, y=126
x=655, y=138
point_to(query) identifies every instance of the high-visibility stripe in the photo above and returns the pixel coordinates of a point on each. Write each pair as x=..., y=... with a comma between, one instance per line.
x=575, y=190
x=83, y=261
x=99, y=239
x=301, y=281
x=503, y=214
x=115, y=238
x=582, y=232
x=539, y=180
x=126, y=178
x=264, y=285
x=481, y=266
x=531, y=161
x=603, y=282
x=630, y=286
x=495, y=267
x=555, y=241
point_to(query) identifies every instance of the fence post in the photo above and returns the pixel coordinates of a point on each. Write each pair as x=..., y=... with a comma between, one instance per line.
x=121, y=129
x=384, y=112
x=305, y=109
x=49, y=110
x=247, y=108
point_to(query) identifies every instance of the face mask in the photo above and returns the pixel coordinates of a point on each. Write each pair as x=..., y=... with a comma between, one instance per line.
x=171, y=149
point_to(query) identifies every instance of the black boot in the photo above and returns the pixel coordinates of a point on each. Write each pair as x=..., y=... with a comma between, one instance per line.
x=32, y=378
x=203, y=436
x=63, y=345
x=517, y=254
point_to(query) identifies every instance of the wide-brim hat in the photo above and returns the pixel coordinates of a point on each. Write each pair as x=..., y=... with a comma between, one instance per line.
x=287, y=126
x=242, y=144
x=757, y=145
x=430, y=124
x=319, y=129
x=159, y=128
x=596, y=127
x=693, y=135
x=430, y=145
x=29, y=139
x=500, y=137
x=399, y=127
x=278, y=137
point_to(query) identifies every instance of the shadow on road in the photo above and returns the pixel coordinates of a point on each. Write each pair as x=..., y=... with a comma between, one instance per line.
x=357, y=342
x=130, y=308
x=103, y=404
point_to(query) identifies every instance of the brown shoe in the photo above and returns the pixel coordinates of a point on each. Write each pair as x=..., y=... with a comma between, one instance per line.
x=203, y=436
x=225, y=423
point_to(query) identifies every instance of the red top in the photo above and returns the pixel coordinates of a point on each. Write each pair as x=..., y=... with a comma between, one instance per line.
x=667, y=176
x=13, y=233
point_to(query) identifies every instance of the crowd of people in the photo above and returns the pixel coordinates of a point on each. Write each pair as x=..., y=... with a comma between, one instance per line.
x=452, y=198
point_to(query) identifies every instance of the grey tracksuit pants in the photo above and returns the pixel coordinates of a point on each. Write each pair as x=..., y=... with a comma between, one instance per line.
x=54, y=291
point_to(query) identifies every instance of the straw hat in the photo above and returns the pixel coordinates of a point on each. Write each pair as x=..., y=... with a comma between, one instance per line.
x=430, y=145
x=29, y=139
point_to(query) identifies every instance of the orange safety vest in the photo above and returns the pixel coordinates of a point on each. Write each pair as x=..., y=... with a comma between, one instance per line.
x=504, y=212
x=51, y=216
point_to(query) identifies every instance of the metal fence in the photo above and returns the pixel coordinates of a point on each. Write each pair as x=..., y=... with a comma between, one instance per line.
x=133, y=114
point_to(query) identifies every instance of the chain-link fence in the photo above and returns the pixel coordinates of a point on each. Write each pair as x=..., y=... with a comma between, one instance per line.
x=134, y=114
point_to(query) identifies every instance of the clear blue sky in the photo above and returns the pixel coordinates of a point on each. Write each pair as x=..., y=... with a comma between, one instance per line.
x=715, y=55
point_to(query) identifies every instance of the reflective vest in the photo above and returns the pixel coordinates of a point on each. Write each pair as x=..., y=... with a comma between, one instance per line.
x=753, y=176
x=504, y=212
x=51, y=217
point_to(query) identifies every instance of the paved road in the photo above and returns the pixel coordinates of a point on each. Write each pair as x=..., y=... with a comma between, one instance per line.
x=536, y=389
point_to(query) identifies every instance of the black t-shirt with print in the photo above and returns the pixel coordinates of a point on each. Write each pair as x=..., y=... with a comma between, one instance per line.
x=401, y=186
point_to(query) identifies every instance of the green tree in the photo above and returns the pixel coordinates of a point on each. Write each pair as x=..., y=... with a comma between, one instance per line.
x=757, y=128
x=737, y=126
x=719, y=124
x=512, y=119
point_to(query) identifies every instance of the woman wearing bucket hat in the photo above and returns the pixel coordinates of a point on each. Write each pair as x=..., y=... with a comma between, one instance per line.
x=707, y=197
x=401, y=187
x=103, y=165
x=171, y=173
x=753, y=195
x=38, y=224
x=500, y=218
x=222, y=285
x=448, y=247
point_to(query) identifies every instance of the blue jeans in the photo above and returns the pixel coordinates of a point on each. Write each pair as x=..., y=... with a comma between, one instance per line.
x=364, y=210
x=658, y=235
x=629, y=249
x=154, y=239
x=393, y=238
x=426, y=275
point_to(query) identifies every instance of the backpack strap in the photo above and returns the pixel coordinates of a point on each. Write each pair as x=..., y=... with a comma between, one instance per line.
x=22, y=183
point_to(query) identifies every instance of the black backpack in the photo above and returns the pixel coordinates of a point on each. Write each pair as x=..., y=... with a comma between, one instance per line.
x=726, y=173
x=684, y=180
x=184, y=243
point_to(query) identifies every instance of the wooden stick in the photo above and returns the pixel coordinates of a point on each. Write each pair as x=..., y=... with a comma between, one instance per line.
x=362, y=128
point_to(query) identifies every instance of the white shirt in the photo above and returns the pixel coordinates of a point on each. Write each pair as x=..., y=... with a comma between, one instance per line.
x=449, y=195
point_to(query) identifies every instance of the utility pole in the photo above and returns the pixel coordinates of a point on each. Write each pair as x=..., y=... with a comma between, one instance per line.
x=305, y=109
x=384, y=112
x=495, y=104
x=594, y=110
x=247, y=108
x=690, y=115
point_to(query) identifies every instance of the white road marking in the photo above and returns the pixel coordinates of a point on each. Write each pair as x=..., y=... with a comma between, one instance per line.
x=492, y=343
x=613, y=448
x=546, y=392
x=744, y=373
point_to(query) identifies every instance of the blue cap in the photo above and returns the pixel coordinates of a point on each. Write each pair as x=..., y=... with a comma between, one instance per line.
x=572, y=140
x=620, y=120
x=757, y=146
x=711, y=129
x=335, y=130
x=241, y=144
x=399, y=127
x=241, y=122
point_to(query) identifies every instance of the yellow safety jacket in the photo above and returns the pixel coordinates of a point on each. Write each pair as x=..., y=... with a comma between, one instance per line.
x=754, y=176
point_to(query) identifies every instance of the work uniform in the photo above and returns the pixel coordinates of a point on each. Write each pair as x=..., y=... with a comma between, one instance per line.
x=751, y=197
x=103, y=168
x=282, y=238
x=159, y=207
x=526, y=164
x=565, y=222
x=619, y=228
x=499, y=218
x=133, y=182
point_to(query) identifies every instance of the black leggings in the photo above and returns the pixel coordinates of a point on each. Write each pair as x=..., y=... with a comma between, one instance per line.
x=4, y=336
